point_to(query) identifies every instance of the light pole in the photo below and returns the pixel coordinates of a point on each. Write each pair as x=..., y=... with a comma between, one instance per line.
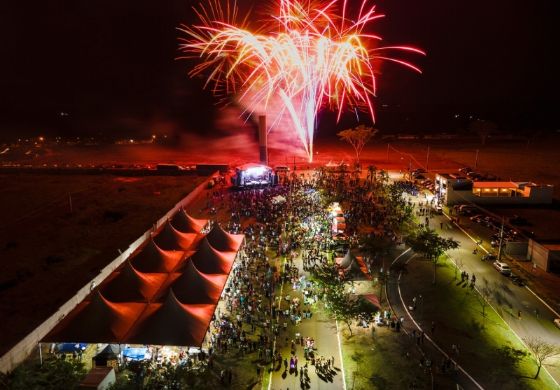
x=427, y=158
x=388, y=152
x=476, y=159
x=501, y=241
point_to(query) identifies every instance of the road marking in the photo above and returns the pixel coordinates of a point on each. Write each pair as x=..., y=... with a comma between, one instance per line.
x=468, y=235
x=505, y=322
x=543, y=302
x=527, y=287
x=340, y=356
x=401, y=255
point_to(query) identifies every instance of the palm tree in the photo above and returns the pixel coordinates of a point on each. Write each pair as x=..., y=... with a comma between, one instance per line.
x=372, y=173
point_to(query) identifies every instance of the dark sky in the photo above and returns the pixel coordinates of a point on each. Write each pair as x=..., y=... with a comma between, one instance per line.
x=111, y=63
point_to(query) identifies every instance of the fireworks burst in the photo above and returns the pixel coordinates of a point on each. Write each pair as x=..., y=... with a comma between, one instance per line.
x=309, y=55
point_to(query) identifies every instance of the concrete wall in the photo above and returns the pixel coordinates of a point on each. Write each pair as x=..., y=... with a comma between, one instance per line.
x=24, y=348
x=517, y=248
x=538, y=254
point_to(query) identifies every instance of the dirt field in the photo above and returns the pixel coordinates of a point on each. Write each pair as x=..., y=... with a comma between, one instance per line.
x=48, y=250
x=509, y=159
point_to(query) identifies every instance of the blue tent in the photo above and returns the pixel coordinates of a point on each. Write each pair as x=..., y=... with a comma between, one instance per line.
x=135, y=353
x=70, y=347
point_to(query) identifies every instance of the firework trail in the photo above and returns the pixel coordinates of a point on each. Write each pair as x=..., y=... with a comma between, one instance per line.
x=309, y=55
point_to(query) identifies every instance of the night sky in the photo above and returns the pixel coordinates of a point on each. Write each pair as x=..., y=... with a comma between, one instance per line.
x=111, y=65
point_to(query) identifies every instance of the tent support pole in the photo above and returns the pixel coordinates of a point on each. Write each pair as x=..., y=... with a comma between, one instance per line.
x=40, y=355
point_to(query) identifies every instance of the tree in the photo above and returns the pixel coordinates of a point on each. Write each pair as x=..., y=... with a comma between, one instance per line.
x=483, y=128
x=542, y=351
x=55, y=373
x=372, y=173
x=428, y=243
x=341, y=305
x=358, y=137
x=483, y=299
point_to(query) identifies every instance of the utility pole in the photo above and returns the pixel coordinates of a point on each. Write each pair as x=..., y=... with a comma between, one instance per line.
x=427, y=158
x=501, y=241
x=476, y=160
x=70, y=202
x=388, y=152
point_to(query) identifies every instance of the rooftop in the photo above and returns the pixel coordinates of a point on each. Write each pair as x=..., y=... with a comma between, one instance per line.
x=495, y=184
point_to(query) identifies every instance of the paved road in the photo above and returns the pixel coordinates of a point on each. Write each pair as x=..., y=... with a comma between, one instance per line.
x=507, y=298
x=323, y=330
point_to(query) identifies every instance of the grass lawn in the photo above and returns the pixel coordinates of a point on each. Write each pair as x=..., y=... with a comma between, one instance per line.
x=485, y=343
x=378, y=360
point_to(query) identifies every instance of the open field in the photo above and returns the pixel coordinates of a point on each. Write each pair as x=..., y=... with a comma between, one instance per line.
x=50, y=246
x=509, y=159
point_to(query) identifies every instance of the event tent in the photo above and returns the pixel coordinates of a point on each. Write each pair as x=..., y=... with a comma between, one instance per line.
x=351, y=264
x=346, y=261
x=172, y=323
x=130, y=285
x=97, y=320
x=209, y=260
x=184, y=223
x=169, y=238
x=224, y=241
x=193, y=286
x=153, y=259
x=162, y=297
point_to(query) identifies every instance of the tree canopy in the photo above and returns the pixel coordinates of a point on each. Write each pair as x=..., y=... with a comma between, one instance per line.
x=431, y=245
x=358, y=137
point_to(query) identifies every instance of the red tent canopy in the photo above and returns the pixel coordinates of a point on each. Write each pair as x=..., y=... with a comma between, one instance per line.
x=373, y=299
x=152, y=258
x=130, y=285
x=132, y=311
x=97, y=321
x=184, y=223
x=169, y=238
x=193, y=286
x=172, y=323
x=223, y=241
x=211, y=261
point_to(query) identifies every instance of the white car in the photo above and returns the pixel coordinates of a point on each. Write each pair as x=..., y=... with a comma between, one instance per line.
x=503, y=268
x=557, y=322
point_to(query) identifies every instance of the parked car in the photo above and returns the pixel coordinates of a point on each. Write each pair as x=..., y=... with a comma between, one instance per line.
x=474, y=176
x=465, y=170
x=517, y=280
x=477, y=218
x=467, y=206
x=502, y=268
x=489, y=257
x=496, y=243
x=557, y=322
